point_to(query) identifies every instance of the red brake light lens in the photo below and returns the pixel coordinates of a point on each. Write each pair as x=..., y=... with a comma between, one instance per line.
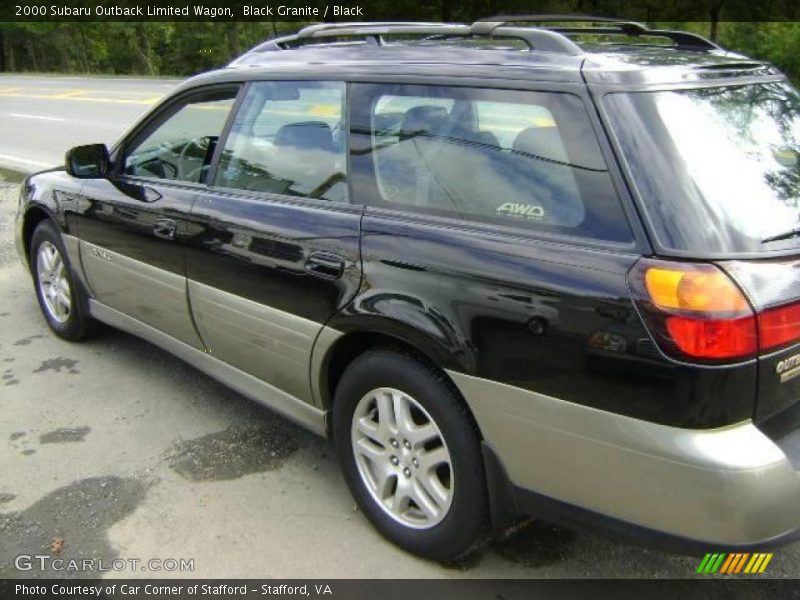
x=714, y=338
x=779, y=326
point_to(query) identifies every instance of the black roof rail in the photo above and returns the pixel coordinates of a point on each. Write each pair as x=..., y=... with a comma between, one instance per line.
x=610, y=26
x=535, y=38
x=546, y=37
x=371, y=31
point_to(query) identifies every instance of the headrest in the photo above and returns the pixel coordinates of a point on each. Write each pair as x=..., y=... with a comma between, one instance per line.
x=426, y=120
x=541, y=141
x=308, y=135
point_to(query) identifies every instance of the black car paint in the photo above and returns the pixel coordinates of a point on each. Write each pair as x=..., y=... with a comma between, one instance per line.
x=525, y=312
x=551, y=316
x=128, y=217
x=262, y=249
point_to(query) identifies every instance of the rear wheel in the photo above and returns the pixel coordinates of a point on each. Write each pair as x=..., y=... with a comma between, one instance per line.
x=411, y=455
x=61, y=299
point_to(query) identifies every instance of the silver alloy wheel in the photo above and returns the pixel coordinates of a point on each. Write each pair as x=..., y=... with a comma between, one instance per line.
x=53, y=283
x=402, y=458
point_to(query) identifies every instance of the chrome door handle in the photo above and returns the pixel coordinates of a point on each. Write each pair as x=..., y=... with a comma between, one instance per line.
x=325, y=264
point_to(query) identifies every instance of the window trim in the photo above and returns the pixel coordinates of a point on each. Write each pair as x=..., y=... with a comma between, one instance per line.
x=639, y=241
x=267, y=198
x=223, y=136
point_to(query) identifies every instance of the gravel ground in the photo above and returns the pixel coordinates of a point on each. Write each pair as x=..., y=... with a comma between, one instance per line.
x=115, y=449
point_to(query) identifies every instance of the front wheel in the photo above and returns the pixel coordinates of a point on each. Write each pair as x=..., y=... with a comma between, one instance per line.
x=61, y=299
x=411, y=455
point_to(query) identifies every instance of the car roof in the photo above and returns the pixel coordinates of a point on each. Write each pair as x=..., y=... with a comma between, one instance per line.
x=643, y=65
x=495, y=50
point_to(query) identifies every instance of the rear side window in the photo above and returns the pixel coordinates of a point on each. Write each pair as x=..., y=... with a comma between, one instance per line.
x=288, y=138
x=517, y=158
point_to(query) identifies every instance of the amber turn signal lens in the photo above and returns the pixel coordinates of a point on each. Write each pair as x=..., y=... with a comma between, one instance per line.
x=703, y=289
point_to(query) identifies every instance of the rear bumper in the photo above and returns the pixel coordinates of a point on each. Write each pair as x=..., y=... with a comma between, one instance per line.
x=731, y=487
x=529, y=503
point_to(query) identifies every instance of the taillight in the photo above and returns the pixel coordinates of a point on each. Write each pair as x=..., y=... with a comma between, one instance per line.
x=694, y=311
x=779, y=326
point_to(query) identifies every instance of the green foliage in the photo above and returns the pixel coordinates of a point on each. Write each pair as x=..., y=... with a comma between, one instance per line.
x=180, y=48
x=151, y=48
x=778, y=43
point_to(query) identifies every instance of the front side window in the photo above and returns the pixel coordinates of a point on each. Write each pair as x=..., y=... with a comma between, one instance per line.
x=518, y=158
x=180, y=147
x=288, y=138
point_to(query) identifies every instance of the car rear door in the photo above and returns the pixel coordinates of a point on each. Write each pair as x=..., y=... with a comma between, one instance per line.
x=275, y=247
x=134, y=224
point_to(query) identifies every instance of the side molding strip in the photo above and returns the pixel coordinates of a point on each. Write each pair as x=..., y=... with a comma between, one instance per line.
x=268, y=343
x=300, y=412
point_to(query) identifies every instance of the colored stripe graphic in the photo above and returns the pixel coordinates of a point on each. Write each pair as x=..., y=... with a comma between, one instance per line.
x=755, y=562
x=733, y=563
x=727, y=564
x=703, y=563
x=763, y=566
x=740, y=564
x=711, y=563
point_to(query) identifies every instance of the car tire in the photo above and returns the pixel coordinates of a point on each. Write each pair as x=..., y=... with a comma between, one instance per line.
x=62, y=299
x=411, y=455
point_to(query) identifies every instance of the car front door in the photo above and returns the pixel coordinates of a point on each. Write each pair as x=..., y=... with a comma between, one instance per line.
x=276, y=251
x=134, y=224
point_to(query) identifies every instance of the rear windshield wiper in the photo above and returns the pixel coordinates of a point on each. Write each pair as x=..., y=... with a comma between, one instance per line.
x=782, y=236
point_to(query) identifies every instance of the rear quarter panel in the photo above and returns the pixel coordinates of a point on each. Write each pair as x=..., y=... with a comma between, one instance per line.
x=552, y=318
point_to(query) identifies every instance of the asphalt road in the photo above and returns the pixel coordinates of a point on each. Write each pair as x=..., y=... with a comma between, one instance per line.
x=114, y=449
x=43, y=117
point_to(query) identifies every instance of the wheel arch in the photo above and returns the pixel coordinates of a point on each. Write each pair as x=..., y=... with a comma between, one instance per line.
x=33, y=217
x=348, y=346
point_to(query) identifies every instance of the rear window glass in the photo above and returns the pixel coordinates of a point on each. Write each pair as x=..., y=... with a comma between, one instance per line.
x=717, y=169
x=524, y=159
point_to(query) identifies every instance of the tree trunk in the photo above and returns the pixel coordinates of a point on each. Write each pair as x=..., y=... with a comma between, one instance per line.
x=84, y=50
x=31, y=52
x=714, y=12
x=11, y=62
x=447, y=10
x=143, y=49
x=234, y=43
x=64, y=45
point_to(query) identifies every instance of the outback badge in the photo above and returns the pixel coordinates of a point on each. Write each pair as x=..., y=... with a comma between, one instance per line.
x=788, y=368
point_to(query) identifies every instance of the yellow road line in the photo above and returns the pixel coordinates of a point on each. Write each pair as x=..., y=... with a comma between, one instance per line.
x=147, y=102
x=40, y=89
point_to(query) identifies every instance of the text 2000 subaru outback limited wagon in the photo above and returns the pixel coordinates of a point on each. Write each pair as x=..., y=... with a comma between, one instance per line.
x=510, y=271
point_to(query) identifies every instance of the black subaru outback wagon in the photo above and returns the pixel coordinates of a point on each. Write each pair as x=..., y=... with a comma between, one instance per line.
x=510, y=269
